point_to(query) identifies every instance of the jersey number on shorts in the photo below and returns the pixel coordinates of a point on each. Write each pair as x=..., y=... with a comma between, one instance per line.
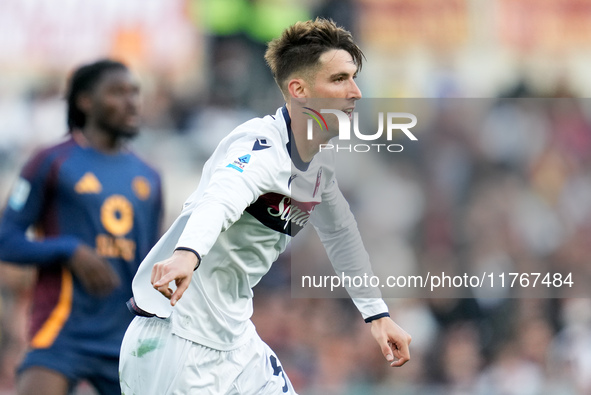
x=278, y=369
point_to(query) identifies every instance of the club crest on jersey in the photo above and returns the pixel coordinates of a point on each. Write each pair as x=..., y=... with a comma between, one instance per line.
x=261, y=144
x=141, y=187
x=240, y=163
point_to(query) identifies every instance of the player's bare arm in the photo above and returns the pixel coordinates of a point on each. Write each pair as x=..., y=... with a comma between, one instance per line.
x=178, y=268
x=393, y=341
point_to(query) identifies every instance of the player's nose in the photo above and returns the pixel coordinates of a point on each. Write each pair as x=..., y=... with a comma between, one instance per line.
x=133, y=102
x=354, y=91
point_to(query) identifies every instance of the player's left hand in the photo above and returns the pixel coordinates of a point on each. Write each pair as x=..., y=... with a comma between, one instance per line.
x=178, y=268
x=393, y=341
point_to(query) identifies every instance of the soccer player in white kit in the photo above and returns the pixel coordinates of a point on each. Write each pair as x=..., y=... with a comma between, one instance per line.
x=262, y=184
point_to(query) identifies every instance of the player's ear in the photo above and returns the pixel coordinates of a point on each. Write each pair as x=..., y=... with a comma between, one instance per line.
x=297, y=88
x=84, y=102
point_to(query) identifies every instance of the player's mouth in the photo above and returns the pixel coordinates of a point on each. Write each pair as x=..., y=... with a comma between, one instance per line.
x=349, y=112
x=132, y=120
x=132, y=115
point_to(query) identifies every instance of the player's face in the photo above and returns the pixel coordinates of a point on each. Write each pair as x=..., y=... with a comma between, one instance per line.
x=116, y=103
x=335, y=79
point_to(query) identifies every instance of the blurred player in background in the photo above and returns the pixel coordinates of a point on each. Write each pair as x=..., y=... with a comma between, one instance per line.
x=260, y=187
x=94, y=208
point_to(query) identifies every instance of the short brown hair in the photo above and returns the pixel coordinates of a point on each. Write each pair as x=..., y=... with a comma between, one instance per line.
x=300, y=46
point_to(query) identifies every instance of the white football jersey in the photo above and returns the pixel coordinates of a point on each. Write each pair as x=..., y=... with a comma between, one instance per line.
x=252, y=198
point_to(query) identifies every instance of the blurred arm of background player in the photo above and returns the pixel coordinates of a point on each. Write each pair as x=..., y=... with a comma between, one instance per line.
x=94, y=272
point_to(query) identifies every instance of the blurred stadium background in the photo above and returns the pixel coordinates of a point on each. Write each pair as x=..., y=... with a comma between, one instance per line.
x=514, y=195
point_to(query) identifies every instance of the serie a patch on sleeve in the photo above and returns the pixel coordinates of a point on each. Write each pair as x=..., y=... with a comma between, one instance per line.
x=240, y=163
x=20, y=194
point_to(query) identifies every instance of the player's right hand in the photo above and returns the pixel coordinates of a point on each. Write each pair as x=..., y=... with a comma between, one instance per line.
x=393, y=340
x=95, y=273
x=178, y=268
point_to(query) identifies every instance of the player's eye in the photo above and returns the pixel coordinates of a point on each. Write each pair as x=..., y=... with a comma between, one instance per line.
x=116, y=90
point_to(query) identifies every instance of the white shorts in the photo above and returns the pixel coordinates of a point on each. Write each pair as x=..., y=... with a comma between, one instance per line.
x=153, y=361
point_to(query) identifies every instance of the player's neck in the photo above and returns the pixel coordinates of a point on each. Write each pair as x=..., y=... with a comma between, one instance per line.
x=98, y=139
x=307, y=148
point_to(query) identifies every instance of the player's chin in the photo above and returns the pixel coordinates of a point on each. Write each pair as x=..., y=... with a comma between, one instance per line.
x=129, y=125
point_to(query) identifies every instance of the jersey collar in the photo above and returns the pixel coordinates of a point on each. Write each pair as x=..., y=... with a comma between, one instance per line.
x=291, y=148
